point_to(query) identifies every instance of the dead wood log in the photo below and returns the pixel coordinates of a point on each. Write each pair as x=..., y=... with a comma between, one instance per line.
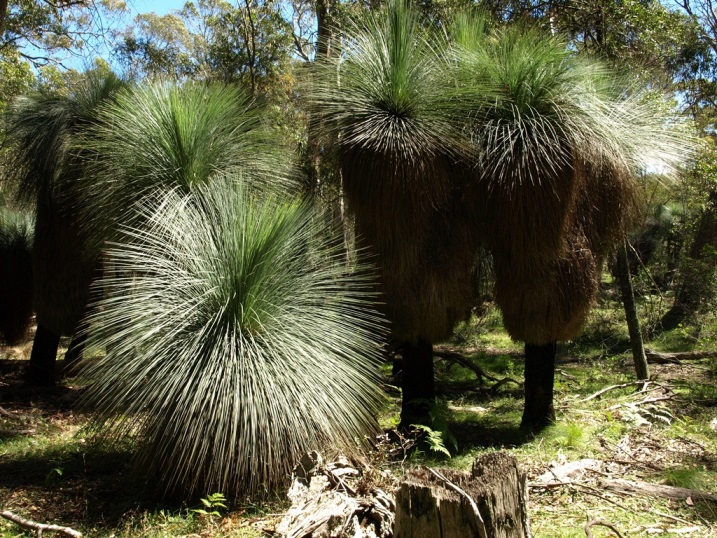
x=676, y=358
x=326, y=505
x=489, y=502
x=39, y=528
x=656, y=490
x=7, y=414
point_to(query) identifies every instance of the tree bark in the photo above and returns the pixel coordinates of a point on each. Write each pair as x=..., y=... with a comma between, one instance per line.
x=490, y=502
x=323, y=29
x=539, y=379
x=417, y=384
x=3, y=13
x=633, y=322
x=41, y=371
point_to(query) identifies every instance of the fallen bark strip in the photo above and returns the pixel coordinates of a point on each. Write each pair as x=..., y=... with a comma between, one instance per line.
x=39, y=528
x=655, y=490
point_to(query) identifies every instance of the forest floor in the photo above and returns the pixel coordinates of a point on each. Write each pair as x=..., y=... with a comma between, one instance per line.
x=662, y=434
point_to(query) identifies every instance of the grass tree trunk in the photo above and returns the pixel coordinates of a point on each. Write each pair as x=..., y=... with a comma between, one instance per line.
x=76, y=349
x=41, y=371
x=633, y=322
x=418, y=384
x=539, y=375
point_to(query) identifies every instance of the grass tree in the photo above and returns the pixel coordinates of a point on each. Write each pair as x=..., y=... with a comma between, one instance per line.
x=383, y=100
x=235, y=340
x=43, y=127
x=175, y=136
x=501, y=137
x=559, y=141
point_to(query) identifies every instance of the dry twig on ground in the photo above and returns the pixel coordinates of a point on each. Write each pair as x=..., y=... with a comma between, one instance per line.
x=39, y=528
x=602, y=523
x=615, y=387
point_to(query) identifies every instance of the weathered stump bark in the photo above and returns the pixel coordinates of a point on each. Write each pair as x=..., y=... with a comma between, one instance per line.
x=489, y=502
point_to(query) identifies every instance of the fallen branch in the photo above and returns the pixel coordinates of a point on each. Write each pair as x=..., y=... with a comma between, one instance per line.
x=656, y=490
x=479, y=372
x=39, y=528
x=602, y=524
x=614, y=387
x=8, y=414
x=676, y=358
x=641, y=402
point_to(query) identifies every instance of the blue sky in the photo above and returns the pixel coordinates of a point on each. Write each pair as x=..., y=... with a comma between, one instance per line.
x=158, y=6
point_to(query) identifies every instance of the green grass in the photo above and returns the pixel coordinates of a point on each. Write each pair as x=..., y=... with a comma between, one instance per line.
x=671, y=442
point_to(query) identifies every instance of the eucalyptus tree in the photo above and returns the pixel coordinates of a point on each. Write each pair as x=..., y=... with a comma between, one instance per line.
x=236, y=341
x=47, y=168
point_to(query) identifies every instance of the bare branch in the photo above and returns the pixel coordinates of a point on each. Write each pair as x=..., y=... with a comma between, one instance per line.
x=614, y=387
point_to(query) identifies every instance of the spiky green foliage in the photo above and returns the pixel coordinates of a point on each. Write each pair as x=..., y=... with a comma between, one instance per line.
x=176, y=136
x=541, y=119
x=235, y=341
x=384, y=101
x=16, y=282
x=43, y=128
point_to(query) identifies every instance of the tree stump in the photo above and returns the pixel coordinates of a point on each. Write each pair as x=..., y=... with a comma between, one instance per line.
x=489, y=502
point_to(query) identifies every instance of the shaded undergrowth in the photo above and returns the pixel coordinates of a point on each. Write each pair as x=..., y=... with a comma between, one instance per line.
x=48, y=471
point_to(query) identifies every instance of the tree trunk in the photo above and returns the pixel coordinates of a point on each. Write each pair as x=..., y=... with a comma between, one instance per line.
x=41, y=371
x=323, y=29
x=696, y=279
x=3, y=13
x=417, y=384
x=539, y=374
x=490, y=502
x=76, y=349
x=633, y=322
